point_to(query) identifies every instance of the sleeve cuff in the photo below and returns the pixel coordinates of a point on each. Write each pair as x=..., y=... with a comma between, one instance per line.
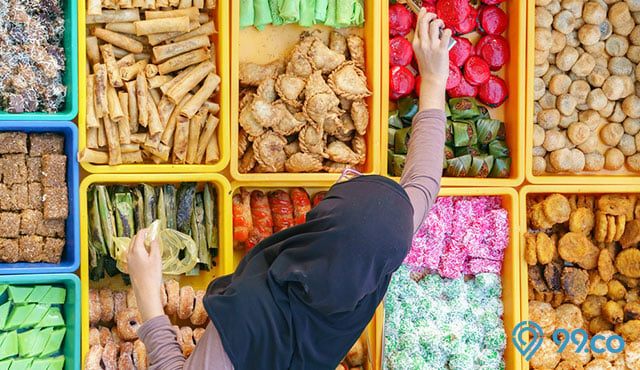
x=147, y=329
x=430, y=114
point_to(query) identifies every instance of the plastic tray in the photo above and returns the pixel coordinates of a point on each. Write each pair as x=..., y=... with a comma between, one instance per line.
x=272, y=43
x=512, y=111
x=221, y=41
x=224, y=259
x=623, y=176
x=511, y=282
x=70, y=310
x=552, y=189
x=312, y=188
x=70, y=76
x=71, y=254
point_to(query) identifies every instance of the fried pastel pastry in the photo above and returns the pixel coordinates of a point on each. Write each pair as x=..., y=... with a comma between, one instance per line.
x=356, y=50
x=312, y=140
x=304, y=162
x=269, y=151
x=289, y=123
x=335, y=167
x=291, y=89
x=247, y=162
x=359, y=145
x=360, y=115
x=267, y=89
x=341, y=153
x=323, y=58
x=338, y=43
x=253, y=74
x=348, y=81
x=321, y=106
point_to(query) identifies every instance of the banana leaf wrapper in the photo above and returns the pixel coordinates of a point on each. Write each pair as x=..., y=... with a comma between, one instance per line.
x=391, y=143
x=484, y=112
x=150, y=203
x=501, y=168
x=473, y=150
x=445, y=164
x=138, y=207
x=96, y=269
x=463, y=108
x=464, y=133
x=185, y=199
x=448, y=152
x=125, y=225
x=459, y=166
x=481, y=166
x=448, y=131
x=169, y=191
x=161, y=212
x=110, y=266
x=210, y=216
x=198, y=230
x=96, y=238
x=394, y=120
x=398, y=164
x=499, y=149
x=401, y=140
x=488, y=130
x=107, y=220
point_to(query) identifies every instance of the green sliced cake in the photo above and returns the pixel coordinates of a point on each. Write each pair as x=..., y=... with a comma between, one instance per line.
x=4, y=313
x=6, y=364
x=21, y=364
x=26, y=342
x=53, y=318
x=40, y=364
x=56, y=363
x=17, y=316
x=54, y=343
x=55, y=295
x=19, y=293
x=3, y=293
x=36, y=315
x=38, y=293
x=9, y=346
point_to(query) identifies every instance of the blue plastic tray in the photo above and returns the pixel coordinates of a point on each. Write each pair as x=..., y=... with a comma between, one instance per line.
x=70, y=311
x=71, y=255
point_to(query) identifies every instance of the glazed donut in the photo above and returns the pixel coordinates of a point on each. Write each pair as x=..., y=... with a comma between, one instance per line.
x=187, y=300
x=197, y=334
x=199, y=315
x=125, y=362
x=110, y=356
x=92, y=361
x=163, y=295
x=173, y=296
x=140, y=355
x=131, y=299
x=129, y=322
x=115, y=336
x=94, y=337
x=119, y=302
x=105, y=335
x=187, y=341
x=94, y=307
x=106, y=305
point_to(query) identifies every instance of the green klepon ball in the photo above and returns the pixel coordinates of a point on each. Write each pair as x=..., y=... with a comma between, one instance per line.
x=432, y=285
x=454, y=288
x=496, y=339
x=489, y=359
x=488, y=285
x=461, y=361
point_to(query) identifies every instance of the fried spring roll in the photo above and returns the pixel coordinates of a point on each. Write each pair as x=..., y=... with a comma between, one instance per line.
x=185, y=4
x=115, y=110
x=92, y=138
x=102, y=136
x=92, y=120
x=102, y=106
x=194, y=134
x=191, y=80
x=164, y=52
x=203, y=17
x=133, y=157
x=158, y=38
x=198, y=4
x=112, y=67
x=207, y=29
x=138, y=4
x=174, y=80
x=162, y=25
x=94, y=7
x=152, y=141
x=150, y=70
x=165, y=108
x=156, y=95
x=126, y=61
x=181, y=139
x=155, y=125
x=142, y=97
x=125, y=4
x=133, y=106
x=123, y=27
x=118, y=40
x=205, y=136
x=139, y=138
x=130, y=72
x=174, y=3
x=109, y=4
x=210, y=4
x=212, y=107
x=111, y=131
x=162, y=151
x=162, y=3
x=213, y=60
x=192, y=13
x=184, y=60
x=167, y=135
x=93, y=156
x=93, y=52
x=114, y=16
x=157, y=81
x=213, y=151
x=209, y=85
x=124, y=126
x=129, y=148
x=149, y=4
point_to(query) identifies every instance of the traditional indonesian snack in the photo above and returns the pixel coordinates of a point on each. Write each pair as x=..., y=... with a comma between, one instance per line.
x=32, y=58
x=461, y=235
x=305, y=113
x=181, y=218
x=356, y=359
x=150, y=83
x=306, y=13
x=257, y=215
x=441, y=323
x=474, y=146
x=584, y=272
x=586, y=98
x=32, y=327
x=34, y=203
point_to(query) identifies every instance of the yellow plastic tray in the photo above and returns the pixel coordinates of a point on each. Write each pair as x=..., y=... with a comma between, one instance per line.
x=552, y=189
x=622, y=177
x=221, y=41
x=224, y=259
x=312, y=188
x=511, y=112
x=511, y=283
x=274, y=42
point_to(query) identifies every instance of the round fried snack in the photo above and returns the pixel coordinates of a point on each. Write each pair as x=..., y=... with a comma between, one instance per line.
x=611, y=229
x=557, y=208
x=92, y=361
x=616, y=290
x=577, y=248
x=547, y=356
x=545, y=248
x=599, y=324
x=530, y=254
x=543, y=314
x=105, y=335
x=571, y=355
x=569, y=365
x=576, y=284
x=110, y=356
x=592, y=306
x=600, y=233
x=631, y=234
x=94, y=337
x=632, y=355
x=600, y=343
x=569, y=316
x=187, y=341
x=597, y=286
x=632, y=311
x=187, y=301
x=199, y=315
x=582, y=220
x=629, y=331
x=613, y=313
x=599, y=364
x=605, y=265
x=119, y=302
x=538, y=218
x=173, y=296
x=628, y=262
x=621, y=222
x=106, y=304
x=140, y=359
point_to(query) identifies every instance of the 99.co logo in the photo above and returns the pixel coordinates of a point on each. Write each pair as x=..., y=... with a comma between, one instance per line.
x=562, y=337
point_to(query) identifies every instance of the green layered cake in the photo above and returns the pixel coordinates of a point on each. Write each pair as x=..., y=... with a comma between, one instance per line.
x=17, y=316
x=21, y=364
x=54, y=342
x=36, y=315
x=9, y=347
x=38, y=293
x=53, y=318
x=55, y=295
x=18, y=294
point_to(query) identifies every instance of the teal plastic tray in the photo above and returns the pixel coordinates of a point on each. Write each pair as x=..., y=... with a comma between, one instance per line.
x=70, y=76
x=71, y=310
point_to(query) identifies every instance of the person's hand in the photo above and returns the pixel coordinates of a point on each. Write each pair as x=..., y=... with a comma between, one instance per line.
x=145, y=269
x=432, y=54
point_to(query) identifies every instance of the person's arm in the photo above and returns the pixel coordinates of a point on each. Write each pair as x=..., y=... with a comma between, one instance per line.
x=423, y=166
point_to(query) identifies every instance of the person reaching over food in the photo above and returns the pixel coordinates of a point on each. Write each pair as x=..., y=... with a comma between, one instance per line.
x=301, y=297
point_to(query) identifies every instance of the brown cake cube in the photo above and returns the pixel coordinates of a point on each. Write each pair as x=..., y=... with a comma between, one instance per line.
x=5, y=198
x=54, y=170
x=14, y=169
x=13, y=142
x=19, y=197
x=45, y=143
x=34, y=169
x=9, y=250
x=9, y=225
x=31, y=248
x=35, y=196
x=52, y=251
x=56, y=202
x=29, y=221
x=52, y=228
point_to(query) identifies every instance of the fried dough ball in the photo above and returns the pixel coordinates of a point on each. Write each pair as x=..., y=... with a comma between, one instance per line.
x=539, y=88
x=632, y=311
x=613, y=159
x=612, y=312
x=629, y=331
x=551, y=71
x=559, y=84
x=631, y=126
x=566, y=104
x=538, y=135
x=594, y=13
x=634, y=53
x=564, y=22
x=589, y=34
x=617, y=46
x=554, y=140
x=548, y=118
x=621, y=19
x=539, y=165
x=592, y=306
x=566, y=121
x=620, y=66
x=567, y=58
x=569, y=316
x=559, y=42
x=617, y=87
x=584, y=65
x=598, y=76
x=543, y=314
x=633, y=162
x=547, y=356
x=544, y=39
x=631, y=106
x=544, y=18
x=627, y=145
x=617, y=291
x=578, y=133
x=596, y=100
x=581, y=220
x=540, y=69
x=579, y=89
x=599, y=324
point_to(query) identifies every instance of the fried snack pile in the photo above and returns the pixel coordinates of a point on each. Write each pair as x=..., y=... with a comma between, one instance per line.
x=584, y=272
x=34, y=203
x=356, y=358
x=115, y=320
x=306, y=113
x=151, y=77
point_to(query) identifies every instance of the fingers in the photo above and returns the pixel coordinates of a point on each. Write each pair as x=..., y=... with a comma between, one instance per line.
x=416, y=34
x=155, y=249
x=446, y=39
x=138, y=241
x=434, y=31
x=425, y=25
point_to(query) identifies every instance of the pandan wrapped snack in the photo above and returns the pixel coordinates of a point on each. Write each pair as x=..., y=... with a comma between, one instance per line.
x=473, y=150
x=394, y=120
x=459, y=167
x=401, y=140
x=398, y=164
x=392, y=138
x=463, y=108
x=488, y=130
x=499, y=149
x=464, y=133
x=484, y=113
x=445, y=164
x=448, y=152
x=501, y=168
x=481, y=166
x=448, y=139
